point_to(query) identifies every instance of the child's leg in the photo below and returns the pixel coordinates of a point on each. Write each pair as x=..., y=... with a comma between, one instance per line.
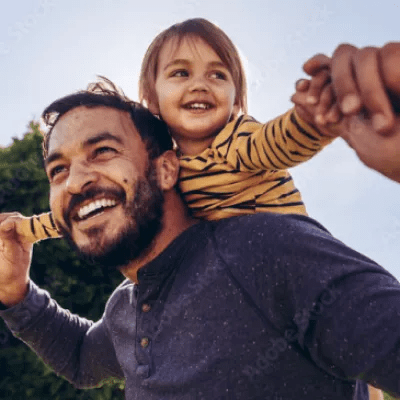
x=37, y=228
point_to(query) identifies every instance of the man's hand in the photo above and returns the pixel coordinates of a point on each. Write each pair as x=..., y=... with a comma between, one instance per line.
x=15, y=260
x=364, y=80
x=366, y=83
x=376, y=151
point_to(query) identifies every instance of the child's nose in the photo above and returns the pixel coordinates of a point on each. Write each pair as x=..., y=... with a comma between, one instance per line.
x=199, y=84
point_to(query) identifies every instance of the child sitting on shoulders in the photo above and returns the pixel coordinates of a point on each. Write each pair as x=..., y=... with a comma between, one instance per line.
x=193, y=79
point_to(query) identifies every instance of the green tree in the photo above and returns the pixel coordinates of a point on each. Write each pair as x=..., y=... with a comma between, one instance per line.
x=79, y=287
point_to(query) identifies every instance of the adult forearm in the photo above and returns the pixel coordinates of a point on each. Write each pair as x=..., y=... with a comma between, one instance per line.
x=57, y=336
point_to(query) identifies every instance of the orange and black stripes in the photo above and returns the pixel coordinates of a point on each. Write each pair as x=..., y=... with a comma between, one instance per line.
x=38, y=227
x=245, y=168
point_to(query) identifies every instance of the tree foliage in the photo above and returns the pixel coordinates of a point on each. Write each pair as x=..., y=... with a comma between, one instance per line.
x=79, y=287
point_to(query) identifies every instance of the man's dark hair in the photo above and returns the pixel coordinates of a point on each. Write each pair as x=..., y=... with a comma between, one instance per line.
x=104, y=93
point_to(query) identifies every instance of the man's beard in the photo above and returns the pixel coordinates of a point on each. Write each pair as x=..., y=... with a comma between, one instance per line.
x=143, y=222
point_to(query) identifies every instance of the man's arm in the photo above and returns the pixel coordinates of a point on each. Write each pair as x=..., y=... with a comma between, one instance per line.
x=339, y=306
x=74, y=347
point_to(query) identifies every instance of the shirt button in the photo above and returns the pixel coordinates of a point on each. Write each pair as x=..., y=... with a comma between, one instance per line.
x=143, y=371
x=146, y=307
x=144, y=342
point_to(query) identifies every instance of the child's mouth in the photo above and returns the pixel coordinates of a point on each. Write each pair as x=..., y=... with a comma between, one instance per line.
x=198, y=106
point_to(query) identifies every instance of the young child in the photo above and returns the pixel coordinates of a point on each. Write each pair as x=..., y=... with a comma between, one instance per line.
x=193, y=79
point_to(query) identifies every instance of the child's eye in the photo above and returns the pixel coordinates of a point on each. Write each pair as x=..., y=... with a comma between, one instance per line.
x=180, y=73
x=218, y=75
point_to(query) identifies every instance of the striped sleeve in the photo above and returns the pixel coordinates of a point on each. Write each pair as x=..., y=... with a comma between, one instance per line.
x=38, y=227
x=279, y=144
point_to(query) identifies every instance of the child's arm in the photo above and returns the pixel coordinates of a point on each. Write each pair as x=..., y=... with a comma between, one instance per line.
x=286, y=141
x=37, y=228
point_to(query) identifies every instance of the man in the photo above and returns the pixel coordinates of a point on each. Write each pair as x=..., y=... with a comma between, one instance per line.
x=243, y=308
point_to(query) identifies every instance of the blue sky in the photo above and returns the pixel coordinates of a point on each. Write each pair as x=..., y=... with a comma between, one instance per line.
x=49, y=48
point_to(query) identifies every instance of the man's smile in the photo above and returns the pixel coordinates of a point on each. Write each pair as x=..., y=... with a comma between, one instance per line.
x=92, y=204
x=94, y=207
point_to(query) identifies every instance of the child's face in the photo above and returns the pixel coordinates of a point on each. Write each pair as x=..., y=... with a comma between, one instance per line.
x=195, y=93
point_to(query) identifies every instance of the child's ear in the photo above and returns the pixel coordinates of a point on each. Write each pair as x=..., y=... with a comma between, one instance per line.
x=152, y=105
x=235, y=109
x=167, y=170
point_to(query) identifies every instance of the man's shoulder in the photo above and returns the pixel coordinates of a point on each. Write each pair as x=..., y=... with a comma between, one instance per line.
x=266, y=235
x=268, y=223
x=125, y=288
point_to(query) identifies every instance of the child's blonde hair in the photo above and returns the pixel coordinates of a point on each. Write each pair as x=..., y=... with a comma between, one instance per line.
x=213, y=36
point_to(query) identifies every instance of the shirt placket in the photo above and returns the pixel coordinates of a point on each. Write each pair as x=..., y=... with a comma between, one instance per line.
x=146, y=326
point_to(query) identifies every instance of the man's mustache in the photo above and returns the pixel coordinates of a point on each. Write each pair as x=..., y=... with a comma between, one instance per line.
x=92, y=193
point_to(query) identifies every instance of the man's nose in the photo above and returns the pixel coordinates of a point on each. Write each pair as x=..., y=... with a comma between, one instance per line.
x=80, y=177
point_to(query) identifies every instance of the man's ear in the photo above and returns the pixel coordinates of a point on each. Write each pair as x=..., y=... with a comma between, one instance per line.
x=167, y=170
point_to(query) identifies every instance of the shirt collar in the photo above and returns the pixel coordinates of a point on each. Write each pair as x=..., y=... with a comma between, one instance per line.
x=171, y=258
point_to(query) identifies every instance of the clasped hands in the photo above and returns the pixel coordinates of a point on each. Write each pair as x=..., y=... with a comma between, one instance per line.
x=361, y=99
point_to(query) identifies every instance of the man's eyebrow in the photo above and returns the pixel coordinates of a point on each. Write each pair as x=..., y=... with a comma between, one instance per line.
x=101, y=137
x=52, y=157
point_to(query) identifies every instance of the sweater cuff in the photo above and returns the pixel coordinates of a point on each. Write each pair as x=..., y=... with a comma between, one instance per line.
x=323, y=139
x=21, y=315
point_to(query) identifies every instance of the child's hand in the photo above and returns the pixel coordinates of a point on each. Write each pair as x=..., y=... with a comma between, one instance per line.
x=315, y=103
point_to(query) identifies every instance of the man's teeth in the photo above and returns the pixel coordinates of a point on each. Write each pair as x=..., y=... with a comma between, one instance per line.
x=94, y=206
x=201, y=106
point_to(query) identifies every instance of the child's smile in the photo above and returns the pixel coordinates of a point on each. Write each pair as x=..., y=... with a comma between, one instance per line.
x=195, y=93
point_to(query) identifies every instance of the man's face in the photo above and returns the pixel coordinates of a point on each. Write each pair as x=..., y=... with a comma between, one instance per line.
x=103, y=192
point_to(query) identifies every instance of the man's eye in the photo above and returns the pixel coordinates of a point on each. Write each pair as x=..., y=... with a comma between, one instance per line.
x=103, y=150
x=180, y=73
x=218, y=75
x=55, y=171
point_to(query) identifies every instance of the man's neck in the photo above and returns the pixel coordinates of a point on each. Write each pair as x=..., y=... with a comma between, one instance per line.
x=175, y=221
